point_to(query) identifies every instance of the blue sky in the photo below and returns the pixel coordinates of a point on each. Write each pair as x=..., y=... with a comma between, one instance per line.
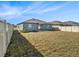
x=16, y=12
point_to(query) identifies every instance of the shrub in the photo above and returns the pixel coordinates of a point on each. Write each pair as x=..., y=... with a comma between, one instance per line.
x=24, y=31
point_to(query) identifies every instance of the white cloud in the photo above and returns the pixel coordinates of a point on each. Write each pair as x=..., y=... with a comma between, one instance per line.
x=50, y=9
x=54, y=8
x=32, y=8
x=14, y=11
x=35, y=8
x=9, y=10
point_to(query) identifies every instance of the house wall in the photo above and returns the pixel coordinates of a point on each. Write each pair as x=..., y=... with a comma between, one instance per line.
x=37, y=27
x=31, y=27
x=45, y=27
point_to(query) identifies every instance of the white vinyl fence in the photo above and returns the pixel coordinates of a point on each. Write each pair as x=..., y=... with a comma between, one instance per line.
x=68, y=28
x=6, y=31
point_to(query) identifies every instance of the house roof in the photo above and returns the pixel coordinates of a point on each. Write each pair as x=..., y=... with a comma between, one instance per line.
x=56, y=23
x=71, y=23
x=66, y=23
x=33, y=20
x=37, y=21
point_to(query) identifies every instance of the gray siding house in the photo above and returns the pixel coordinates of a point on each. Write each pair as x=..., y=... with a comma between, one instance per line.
x=45, y=26
x=34, y=25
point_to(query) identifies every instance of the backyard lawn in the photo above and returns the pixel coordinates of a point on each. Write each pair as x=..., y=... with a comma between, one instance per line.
x=45, y=43
x=54, y=43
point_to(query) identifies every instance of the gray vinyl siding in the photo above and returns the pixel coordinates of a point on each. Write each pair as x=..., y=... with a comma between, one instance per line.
x=45, y=27
x=33, y=27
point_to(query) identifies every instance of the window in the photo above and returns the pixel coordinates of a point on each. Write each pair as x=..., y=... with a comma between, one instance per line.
x=30, y=25
x=48, y=26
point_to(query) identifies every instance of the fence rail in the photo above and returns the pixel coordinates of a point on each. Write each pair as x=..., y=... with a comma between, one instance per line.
x=6, y=31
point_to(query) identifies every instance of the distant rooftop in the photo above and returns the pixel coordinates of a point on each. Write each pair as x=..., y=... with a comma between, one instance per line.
x=33, y=20
x=66, y=23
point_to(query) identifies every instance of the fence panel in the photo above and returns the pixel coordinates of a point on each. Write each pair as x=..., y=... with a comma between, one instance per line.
x=6, y=31
x=75, y=28
x=1, y=39
x=70, y=28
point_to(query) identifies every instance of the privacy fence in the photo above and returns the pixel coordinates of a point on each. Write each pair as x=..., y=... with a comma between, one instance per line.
x=6, y=31
x=68, y=28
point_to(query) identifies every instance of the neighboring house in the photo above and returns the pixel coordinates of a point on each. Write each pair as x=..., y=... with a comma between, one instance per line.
x=34, y=25
x=30, y=26
x=45, y=26
x=37, y=25
x=56, y=25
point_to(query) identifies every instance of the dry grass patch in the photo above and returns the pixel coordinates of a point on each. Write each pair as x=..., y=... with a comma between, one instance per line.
x=54, y=43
